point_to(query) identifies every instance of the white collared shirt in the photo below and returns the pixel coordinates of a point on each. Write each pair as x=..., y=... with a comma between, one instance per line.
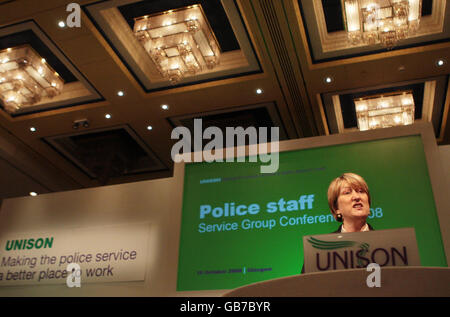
x=364, y=228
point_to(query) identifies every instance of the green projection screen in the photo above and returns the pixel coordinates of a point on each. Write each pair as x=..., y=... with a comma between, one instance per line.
x=239, y=226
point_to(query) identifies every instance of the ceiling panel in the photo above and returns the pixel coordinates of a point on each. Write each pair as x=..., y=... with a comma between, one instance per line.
x=279, y=49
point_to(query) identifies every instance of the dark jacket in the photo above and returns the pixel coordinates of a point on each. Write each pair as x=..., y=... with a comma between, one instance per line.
x=339, y=230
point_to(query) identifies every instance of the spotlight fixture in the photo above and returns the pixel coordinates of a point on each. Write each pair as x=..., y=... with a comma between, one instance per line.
x=61, y=24
x=120, y=93
x=328, y=79
x=107, y=116
x=179, y=42
x=165, y=107
x=259, y=91
x=33, y=194
x=441, y=62
x=32, y=129
x=26, y=78
x=149, y=127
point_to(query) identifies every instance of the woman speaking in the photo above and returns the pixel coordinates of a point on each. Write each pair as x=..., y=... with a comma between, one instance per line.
x=349, y=201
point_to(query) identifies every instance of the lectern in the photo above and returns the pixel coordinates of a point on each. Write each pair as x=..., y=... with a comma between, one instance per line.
x=337, y=267
x=393, y=247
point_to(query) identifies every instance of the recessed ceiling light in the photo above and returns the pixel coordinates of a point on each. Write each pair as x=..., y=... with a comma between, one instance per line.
x=441, y=62
x=107, y=116
x=259, y=91
x=120, y=93
x=328, y=79
x=32, y=129
x=33, y=194
x=61, y=24
x=165, y=107
x=149, y=127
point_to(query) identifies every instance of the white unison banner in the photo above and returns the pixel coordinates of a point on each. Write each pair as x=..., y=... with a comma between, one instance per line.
x=104, y=254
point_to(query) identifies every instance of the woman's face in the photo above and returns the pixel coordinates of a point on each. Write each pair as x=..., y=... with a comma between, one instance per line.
x=353, y=203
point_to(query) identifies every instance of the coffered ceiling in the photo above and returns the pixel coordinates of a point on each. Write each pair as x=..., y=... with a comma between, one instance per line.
x=286, y=48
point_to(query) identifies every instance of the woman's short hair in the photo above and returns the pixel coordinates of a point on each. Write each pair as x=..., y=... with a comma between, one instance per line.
x=334, y=190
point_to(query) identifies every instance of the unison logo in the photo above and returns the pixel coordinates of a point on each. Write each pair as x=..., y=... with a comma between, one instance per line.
x=29, y=244
x=346, y=258
x=214, y=152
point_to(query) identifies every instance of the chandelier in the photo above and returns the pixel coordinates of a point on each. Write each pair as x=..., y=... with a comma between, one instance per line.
x=179, y=42
x=381, y=21
x=26, y=78
x=383, y=111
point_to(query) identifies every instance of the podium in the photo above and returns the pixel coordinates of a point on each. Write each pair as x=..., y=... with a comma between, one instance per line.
x=405, y=281
x=340, y=275
x=391, y=247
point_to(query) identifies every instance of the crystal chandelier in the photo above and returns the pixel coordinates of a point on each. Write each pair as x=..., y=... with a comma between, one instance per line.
x=383, y=111
x=381, y=21
x=178, y=41
x=26, y=78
